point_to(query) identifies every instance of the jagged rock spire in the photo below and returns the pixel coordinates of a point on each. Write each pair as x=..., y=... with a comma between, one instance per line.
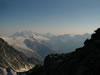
x=98, y=30
x=96, y=36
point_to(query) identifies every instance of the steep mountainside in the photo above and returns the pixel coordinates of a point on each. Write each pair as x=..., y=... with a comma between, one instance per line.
x=18, y=43
x=12, y=58
x=83, y=61
x=30, y=44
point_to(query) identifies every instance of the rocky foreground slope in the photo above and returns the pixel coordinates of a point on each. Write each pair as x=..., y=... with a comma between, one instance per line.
x=13, y=59
x=83, y=61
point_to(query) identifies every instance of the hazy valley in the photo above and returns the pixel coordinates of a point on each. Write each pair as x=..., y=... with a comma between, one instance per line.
x=35, y=47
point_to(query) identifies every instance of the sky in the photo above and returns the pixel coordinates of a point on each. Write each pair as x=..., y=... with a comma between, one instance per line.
x=49, y=16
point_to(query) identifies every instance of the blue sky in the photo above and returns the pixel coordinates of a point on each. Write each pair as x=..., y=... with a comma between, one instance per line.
x=54, y=16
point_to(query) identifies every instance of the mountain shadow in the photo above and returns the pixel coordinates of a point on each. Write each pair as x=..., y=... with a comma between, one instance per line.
x=83, y=61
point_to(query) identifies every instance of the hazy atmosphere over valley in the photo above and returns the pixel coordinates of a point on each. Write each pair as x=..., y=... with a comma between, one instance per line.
x=49, y=37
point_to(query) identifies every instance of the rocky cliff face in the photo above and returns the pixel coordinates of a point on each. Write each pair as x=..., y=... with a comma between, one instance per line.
x=83, y=61
x=12, y=58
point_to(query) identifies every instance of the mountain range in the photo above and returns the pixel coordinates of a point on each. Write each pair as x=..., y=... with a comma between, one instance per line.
x=29, y=50
x=40, y=45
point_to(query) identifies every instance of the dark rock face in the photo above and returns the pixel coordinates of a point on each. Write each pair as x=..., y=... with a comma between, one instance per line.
x=83, y=61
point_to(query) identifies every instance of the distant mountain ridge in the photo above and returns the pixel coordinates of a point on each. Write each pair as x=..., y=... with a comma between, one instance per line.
x=40, y=48
x=45, y=43
x=30, y=44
